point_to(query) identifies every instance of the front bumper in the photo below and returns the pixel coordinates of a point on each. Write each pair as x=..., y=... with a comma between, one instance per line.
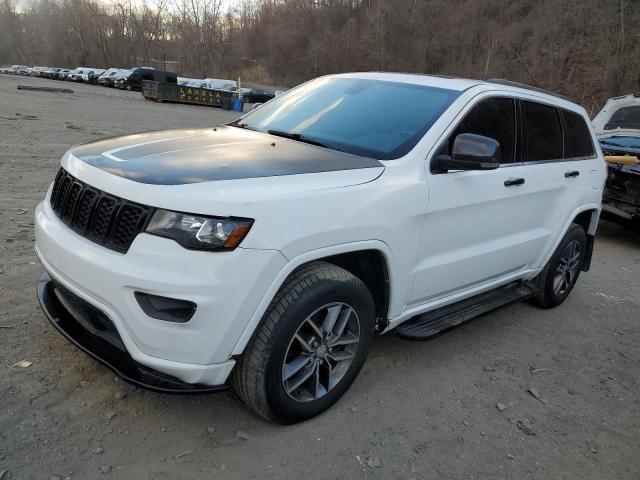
x=93, y=333
x=227, y=288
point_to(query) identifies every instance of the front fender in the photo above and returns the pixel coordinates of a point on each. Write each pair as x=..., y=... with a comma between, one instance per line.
x=307, y=257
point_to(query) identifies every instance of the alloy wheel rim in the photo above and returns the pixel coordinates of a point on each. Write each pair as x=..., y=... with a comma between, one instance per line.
x=321, y=352
x=567, y=269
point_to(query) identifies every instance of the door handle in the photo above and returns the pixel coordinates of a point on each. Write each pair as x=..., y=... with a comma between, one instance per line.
x=513, y=181
x=573, y=173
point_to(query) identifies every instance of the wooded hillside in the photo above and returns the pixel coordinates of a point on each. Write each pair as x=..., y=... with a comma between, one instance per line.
x=586, y=49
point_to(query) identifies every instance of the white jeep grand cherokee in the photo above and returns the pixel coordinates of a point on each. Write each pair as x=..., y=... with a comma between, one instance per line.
x=265, y=254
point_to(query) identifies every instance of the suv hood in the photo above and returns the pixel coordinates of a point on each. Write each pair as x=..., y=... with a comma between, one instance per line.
x=179, y=157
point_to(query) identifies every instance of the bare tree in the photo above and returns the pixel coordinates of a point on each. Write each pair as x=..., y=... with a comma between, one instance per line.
x=586, y=49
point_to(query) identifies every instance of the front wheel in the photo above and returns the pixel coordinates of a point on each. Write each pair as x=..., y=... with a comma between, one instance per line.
x=560, y=275
x=312, y=343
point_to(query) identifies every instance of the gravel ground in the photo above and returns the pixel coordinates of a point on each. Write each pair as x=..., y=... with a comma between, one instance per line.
x=459, y=406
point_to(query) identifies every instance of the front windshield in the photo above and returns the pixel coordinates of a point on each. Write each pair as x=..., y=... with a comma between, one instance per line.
x=373, y=118
x=625, y=117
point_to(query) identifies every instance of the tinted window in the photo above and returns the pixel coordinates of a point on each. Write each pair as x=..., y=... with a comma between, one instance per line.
x=493, y=118
x=625, y=117
x=542, y=132
x=375, y=118
x=577, y=139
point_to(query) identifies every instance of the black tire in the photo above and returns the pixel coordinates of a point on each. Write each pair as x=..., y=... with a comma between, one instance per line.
x=258, y=379
x=547, y=295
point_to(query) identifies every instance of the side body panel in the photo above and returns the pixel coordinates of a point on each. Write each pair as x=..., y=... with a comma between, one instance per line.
x=480, y=232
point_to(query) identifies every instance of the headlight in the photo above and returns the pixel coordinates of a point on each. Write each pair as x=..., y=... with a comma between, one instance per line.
x=199, y=232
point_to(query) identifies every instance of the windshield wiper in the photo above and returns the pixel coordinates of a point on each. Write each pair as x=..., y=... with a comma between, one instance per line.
x=302, y=138
x=243, y=125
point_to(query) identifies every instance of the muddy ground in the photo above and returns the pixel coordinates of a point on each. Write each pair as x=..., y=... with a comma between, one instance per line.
x=418, y=410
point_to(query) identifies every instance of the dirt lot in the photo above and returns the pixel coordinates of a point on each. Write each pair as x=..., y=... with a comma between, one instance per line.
x=418, y=410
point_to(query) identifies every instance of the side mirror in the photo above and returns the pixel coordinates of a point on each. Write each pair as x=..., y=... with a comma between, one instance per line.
x=256, y=105
x=470, y=152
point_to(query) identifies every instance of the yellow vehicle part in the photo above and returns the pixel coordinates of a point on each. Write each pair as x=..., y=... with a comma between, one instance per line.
x=622, y=159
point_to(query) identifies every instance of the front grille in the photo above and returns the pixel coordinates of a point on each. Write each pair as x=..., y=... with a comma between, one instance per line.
x=101, y=217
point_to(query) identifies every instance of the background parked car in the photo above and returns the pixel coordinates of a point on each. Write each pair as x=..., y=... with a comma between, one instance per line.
x=51, y=73
x=62, y=74
x=617, y=126
x=92, y=75
x=16, y=69
x=111, y=72
x=221, y=84
x=134, y=81
x=257, y=95
x=197, y=84
x=37, y=71
x=186, y=81
x=76, y=74
x=72, y=74
x=117, y=80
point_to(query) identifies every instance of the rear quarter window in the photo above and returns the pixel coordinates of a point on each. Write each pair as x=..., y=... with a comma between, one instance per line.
x=577, y=138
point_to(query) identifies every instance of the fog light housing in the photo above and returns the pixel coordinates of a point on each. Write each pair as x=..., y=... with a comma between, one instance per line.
x=165, y=308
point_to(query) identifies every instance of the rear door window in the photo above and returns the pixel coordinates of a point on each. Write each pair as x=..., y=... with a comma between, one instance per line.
x=542, y=135
x=577, y=138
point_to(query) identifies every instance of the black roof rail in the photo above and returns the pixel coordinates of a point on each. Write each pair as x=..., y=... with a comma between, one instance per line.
x=502, y=81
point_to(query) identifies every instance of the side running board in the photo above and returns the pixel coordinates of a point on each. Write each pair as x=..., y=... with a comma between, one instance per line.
x=431, y=323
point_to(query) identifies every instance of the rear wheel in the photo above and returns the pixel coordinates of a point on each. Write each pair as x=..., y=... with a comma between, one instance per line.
x=312, y=343
x=561, y=273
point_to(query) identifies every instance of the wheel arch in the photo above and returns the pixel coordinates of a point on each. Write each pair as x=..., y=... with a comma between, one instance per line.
x=588, y=220
x=367, y=259
x=587, y=217
x=371, y=267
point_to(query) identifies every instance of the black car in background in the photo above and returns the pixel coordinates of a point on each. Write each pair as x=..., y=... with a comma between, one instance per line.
x=257, y=95
x=134, y=81
x=618, y=129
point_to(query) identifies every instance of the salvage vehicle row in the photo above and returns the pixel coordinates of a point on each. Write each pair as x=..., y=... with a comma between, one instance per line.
x=131, y=79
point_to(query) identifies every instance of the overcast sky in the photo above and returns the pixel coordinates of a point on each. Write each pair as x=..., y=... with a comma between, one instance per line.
x=226, y=3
